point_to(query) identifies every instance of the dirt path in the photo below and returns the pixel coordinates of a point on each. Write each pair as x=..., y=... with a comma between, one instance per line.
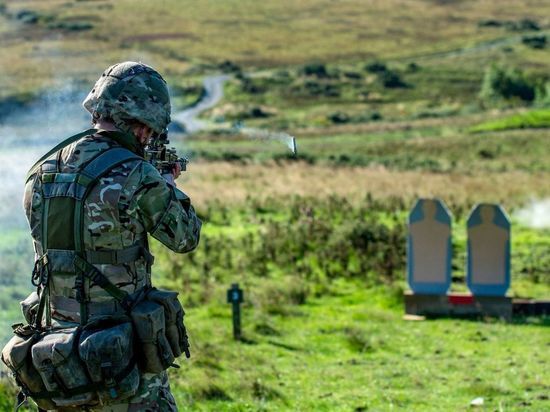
x=213, y=93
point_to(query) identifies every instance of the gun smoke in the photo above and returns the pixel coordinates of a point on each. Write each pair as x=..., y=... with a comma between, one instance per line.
x=260, y=134
x=536, y=214
x=25, y=135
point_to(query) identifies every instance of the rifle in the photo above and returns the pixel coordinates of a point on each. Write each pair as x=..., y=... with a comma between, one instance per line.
x=162, y=157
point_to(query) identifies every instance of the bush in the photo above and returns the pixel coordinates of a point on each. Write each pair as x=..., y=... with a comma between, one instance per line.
x=71, y=25
x=535, y=42
x=413, y=67
x=317, y=88
x=229, y=67
x=521, y=25
x=499, y=82
x=392, y=80
x=27, y=16
x=375, y=116
x=376, y=67
x=353, y=75
x=338, y=117
x=318, y=70
x=250, y=86
x=342, y=118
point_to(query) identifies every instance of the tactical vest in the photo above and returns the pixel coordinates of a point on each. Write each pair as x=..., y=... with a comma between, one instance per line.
x=61, y=248
x=94, y=363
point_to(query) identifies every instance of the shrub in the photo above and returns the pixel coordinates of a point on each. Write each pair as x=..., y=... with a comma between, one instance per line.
x=392, y=80
x=413, y=67
x=353, y=75
x=521, y=25
x=376, y=67
x=318, y=239
x=318, y=70
x=535, y=42
x=229, y=67
x=251, y=86
x=27, y=16
x=317, y=88
x=338, y=117
x=490, y=23
x=374, y=116
x=499, y=82
x=71, y=25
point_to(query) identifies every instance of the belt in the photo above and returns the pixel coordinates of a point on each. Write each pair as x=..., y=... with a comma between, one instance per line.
x=63, y=304
x=115, y=257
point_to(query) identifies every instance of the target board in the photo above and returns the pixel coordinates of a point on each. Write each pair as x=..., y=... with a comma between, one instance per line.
x=488, y=260
x=429, y=247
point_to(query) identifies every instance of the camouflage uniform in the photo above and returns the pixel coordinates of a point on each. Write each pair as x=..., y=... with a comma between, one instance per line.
x=133, y=199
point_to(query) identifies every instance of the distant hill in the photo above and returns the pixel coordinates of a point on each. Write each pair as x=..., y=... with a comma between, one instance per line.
x=43, y=41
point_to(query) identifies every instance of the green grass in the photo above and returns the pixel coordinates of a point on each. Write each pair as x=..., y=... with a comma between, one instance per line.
x=342, y=353
x=534, y=119
x=442, y=149
x=351, y=350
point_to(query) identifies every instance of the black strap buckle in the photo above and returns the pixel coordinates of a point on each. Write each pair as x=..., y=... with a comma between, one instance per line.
x=40, y=272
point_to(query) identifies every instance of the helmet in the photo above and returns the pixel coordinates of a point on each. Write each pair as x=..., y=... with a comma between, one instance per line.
x=131, y=91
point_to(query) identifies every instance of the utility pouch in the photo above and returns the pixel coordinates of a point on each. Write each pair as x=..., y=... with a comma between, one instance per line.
x=149, y=323
x=17, y=357
x=55, y=356
x=29, y=307
x=106, y=348
x=173, y=314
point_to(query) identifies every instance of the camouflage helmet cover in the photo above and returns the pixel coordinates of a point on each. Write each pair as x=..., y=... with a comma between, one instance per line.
x=131, y=91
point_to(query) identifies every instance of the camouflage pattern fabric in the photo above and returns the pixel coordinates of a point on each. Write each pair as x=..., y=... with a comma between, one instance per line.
x=131, y=91
x=153, y=395
x=129, y=202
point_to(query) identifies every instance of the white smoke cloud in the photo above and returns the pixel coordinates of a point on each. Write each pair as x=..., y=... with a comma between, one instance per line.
x=536, y=214
x=27, y=134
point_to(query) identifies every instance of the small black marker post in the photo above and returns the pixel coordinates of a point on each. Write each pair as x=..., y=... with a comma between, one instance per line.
x=235, y=296
x=294, y=147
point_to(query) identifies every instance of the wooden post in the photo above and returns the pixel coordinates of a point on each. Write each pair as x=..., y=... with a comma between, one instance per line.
x=235, y=296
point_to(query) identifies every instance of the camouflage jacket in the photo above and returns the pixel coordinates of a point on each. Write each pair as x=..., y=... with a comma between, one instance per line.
x=129, y=202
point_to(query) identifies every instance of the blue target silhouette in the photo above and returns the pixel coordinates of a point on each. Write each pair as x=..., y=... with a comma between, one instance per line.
x=429, y=247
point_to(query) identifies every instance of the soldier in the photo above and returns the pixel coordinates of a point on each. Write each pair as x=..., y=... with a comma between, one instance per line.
x=129, y=103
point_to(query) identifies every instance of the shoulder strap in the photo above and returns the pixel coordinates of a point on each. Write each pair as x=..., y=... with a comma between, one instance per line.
x=93, y=171
x=106, y=161
x=58, y=147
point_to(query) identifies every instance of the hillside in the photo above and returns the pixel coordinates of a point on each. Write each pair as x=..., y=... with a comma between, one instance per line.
x=389, y=100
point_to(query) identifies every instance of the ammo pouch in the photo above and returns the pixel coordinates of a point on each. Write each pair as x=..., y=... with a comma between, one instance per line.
x=17, y=357
x=161, y=334
x=78, y=366
x=29, y=307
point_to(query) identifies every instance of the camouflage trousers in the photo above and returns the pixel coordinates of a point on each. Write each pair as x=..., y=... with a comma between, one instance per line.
x=153, y=395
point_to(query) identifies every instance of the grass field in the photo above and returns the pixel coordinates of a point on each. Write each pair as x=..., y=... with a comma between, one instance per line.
x=388, y=102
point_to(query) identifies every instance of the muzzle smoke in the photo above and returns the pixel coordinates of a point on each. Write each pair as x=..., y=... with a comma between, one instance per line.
x=285, y=138
x=25, y=135
x=536, y=214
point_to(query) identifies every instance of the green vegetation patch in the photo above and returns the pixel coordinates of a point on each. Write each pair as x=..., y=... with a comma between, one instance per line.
x=534, y=119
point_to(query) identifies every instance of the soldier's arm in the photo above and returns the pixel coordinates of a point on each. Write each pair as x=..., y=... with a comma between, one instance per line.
x=166, y=211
